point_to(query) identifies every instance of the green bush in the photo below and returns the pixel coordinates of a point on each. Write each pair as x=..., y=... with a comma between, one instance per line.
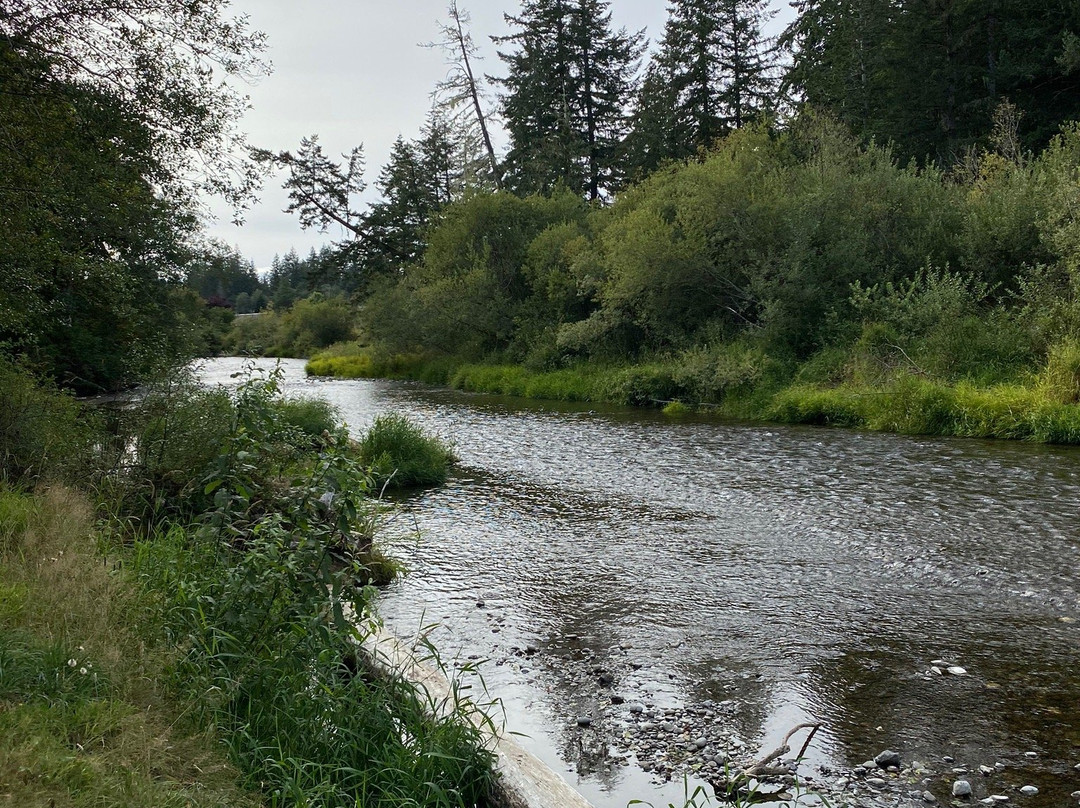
x=1060, y=379
x=400, y=454
x=44, y=433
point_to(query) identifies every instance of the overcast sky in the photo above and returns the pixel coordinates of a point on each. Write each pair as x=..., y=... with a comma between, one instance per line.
x=352, y=71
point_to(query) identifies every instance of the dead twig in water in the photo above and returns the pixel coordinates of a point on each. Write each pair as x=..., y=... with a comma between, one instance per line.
x=761, y=768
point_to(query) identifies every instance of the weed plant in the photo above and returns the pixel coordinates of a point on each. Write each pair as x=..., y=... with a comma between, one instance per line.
x=44, y=433
x=261, y=590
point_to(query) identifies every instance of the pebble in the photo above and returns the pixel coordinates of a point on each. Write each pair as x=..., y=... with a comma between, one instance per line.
x=1075, y=795
x=956, y=670
x=480, y=604
x=928, y=797
x=887, y=758
x=1029, y=791
x=961, y=788
x=584, y=721
x=999, y=798
x=1031, y=754
x=617, y=699
x=877, y=782
x=637, y=708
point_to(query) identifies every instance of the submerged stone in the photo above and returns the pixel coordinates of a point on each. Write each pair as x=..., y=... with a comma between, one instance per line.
x=887, y=758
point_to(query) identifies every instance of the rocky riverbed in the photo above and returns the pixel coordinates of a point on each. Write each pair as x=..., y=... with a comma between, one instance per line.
x=701, y=743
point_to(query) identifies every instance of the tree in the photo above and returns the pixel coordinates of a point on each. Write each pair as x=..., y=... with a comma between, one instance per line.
x=113, y=118
x=565, y=102
x=929, y=74
x=462, y=94
x=162, y=61
x=713, y=72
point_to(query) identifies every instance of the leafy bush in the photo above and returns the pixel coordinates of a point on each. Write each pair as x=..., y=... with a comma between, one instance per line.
x=309, y=325
x=44, y=433
x=400, y=454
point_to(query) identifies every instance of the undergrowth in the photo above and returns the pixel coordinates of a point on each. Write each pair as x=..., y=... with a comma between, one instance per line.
x=399, y=454
x=199, y=642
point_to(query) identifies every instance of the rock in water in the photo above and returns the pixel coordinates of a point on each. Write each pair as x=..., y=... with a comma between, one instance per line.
x=887, y=758
x=961, y=788
x=584, y=721
x=956, y=670
x=1029, y=791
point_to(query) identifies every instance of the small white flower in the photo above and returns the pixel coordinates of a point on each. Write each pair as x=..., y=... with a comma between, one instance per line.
x=72, y=663
x=83, y=671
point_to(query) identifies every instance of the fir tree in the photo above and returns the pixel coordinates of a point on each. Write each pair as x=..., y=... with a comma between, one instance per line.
x=714, y=71
x=564, y=105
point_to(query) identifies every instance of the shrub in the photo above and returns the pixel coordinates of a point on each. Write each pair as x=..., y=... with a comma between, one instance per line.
x=400, y=454
x=1061, y=377
x=43, y=432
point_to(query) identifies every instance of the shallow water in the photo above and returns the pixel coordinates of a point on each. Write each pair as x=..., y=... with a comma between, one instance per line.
x=806, y=573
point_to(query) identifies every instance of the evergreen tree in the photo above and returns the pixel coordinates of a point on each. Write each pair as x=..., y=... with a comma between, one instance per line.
x=714, y=71
x=927, y=75
x=566, y=86
x=748, y=68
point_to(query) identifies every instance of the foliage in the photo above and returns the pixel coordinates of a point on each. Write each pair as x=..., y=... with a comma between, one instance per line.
x=401, y=455
x=261, y=590
x=927, y=76
x=44, y=434
x=713, y=72
x=307, y=326
x=566, y=84
x=162, y=63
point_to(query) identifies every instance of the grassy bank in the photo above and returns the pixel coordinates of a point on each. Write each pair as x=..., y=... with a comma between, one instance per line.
x=185, y=630
x=84, y=720
x=1041, y=407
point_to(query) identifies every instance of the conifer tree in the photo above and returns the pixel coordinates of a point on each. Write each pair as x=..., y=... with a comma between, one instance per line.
x=566, y=86
x=714, y=72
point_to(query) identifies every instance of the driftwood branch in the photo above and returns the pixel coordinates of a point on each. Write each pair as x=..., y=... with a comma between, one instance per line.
x=761, y=768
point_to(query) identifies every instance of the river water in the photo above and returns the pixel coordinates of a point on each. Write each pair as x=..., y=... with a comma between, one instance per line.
x=801, y=573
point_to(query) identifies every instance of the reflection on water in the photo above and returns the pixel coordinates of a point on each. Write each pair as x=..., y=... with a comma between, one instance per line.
x=801, y=572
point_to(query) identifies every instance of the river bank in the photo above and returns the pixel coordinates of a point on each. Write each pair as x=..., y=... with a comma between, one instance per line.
x=1042, y=410
x=803, y=574
x=184, y=628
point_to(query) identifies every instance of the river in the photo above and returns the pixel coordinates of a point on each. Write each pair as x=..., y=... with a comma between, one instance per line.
x=787, y=573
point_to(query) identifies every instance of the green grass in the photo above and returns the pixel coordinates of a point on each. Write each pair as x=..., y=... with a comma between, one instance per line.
x=733, y=383
x=82, y=719
x=400, y=454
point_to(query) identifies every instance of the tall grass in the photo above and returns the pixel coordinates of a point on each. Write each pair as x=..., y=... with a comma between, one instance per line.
x=83, y=721
x=44, y=433
x=400, y=454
